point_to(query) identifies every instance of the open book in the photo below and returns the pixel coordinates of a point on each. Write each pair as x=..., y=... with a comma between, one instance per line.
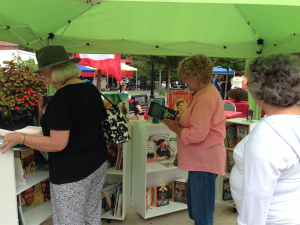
x=26, y=130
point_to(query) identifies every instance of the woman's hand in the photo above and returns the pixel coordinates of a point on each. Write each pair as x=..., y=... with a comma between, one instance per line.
x=173, y=125
x=10, y=140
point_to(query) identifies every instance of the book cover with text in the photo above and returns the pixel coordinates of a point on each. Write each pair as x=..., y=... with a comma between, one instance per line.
x=179, y=99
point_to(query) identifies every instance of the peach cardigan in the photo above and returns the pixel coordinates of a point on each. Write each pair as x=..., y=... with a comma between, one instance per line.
x=201, y=143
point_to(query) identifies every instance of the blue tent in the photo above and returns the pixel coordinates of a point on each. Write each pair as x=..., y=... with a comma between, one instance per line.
x=84, y=69
x=220, y=70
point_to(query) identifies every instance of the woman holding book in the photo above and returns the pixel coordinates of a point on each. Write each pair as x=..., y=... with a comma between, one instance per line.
x=265, y=181
x=200, y=133
x=73, y=139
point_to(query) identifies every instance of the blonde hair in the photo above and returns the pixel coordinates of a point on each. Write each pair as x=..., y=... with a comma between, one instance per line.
x=196, y=66
x=64, y=71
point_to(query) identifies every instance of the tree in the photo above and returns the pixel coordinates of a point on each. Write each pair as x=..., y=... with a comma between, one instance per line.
x=229, y=63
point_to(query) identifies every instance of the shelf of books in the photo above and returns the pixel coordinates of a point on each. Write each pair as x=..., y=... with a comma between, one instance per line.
x=37, y=215
x=236, y=130
x=116, y=195
x=31, y=179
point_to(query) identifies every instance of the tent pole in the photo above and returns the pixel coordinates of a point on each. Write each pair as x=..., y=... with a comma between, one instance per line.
x=106, y=81
x=152, y=81
x=136, y=80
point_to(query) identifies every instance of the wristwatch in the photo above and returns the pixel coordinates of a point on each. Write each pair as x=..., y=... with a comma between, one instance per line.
x=22, y=139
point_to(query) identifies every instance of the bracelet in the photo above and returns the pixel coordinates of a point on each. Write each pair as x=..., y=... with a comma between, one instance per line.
x=22, y=138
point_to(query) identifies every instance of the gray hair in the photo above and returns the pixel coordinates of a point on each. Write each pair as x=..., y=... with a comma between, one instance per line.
x=275, y=79
x=65, y=71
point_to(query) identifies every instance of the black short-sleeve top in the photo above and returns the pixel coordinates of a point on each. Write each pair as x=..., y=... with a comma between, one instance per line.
x=77, y=108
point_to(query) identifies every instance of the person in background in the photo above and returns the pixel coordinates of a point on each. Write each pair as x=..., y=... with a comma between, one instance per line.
x=132, y=103
x=72, y=136
x=244, y=83
x=200, y=131
x=236, y=81
x=265, y=181
x=217, y=83
x=126, y=81
x=223, y=86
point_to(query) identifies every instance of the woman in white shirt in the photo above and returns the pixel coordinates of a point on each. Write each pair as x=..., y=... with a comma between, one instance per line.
x=265, y=181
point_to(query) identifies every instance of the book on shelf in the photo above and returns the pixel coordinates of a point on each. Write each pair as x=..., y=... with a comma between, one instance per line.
x=179, y=99
x=32, y=197
x=161, y=112
x=226, y=190
x=119, y=209
x=112, y=156
x=118, y=194
x=231, y=136
x=149, y=197
x=119, y=162
x=179, y=190
x=173, y=147
x=162, y=195
x=41, y=167
x=241, y=132
x=109, y=190
x=46, y=190
x=151, y=153
x=230, y=160
x=20, y=213
x=27, y=159
x=162, y=146
x=105, y=205
x=19, y=173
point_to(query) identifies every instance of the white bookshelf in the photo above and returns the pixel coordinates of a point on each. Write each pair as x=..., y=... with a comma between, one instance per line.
x=150, y=174
x=229, y=122
x=9, y=189
x=123, y=176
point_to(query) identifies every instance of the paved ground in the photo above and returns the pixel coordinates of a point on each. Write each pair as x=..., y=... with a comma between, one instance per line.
x=141, y=92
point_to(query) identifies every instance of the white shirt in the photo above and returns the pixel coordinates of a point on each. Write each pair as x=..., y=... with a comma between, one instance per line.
x=126, y=92
x=265, y=181
x=236, y=82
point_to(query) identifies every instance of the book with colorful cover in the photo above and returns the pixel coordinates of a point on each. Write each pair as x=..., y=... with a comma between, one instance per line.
x=109, y=192
x=162, y=146
x=149, y=197
x=231, y=136
x=32, y=197
x=118, y=193
x=226, y=190
x=27, y=158
x=41, y=167
x=161, y=112
x=179, y=190
x=46, y=190
x=151, y=119
x=119, y=161
x=173, y=147
x=241, y=132
x=179, y=99
x=105, y=205
x=162, y=195
x=230, y=160
x=19, y=173
x=121, y=100
x=151, y=153
x=112, y=156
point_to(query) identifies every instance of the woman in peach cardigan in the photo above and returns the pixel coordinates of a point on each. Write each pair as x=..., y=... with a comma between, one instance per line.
x=200, y=131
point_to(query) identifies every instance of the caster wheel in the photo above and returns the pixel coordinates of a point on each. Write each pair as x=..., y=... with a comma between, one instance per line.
x=108, y=220
x=234, y=210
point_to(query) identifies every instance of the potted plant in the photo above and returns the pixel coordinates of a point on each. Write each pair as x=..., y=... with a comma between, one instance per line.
x=238, y=94
x=19, y=91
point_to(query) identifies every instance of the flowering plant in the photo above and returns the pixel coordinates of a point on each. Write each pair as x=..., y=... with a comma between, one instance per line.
x=18, y=90
x=238, y=93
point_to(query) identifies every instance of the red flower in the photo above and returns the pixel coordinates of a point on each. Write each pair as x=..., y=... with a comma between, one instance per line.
x=28, y=99
x=17, y=108
x=25, y=96
x=31, y=97
x=25, y=92
x=19, y=100
x=26, y=105
x=13, y=100
x=33, y=108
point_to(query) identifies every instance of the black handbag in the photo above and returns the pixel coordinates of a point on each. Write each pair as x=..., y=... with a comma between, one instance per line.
x=114, y=126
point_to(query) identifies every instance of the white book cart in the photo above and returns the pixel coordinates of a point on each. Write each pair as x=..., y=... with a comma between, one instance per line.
x=9, y=189
x=151, y=174
x=229, y=122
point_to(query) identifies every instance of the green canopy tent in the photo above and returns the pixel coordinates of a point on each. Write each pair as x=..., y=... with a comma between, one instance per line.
x=218, y=28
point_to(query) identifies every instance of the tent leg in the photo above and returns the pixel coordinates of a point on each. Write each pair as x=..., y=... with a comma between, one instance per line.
x=136, y=80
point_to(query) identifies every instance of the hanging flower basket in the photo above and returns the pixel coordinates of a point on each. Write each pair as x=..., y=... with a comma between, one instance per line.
x=238, y=94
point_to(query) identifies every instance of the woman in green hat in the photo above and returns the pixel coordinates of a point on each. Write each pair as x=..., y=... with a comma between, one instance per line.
x=73, y=139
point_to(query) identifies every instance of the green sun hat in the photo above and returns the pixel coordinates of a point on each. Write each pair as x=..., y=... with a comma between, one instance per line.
x=51, y=56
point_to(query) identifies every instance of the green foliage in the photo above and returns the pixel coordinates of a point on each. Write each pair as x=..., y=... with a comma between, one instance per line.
x=19, y=89
x=162, y=91
x=229, y=63
x=238, y=93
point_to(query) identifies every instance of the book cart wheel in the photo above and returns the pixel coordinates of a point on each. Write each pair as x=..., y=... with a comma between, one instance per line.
x=108, y=220
x=234, y=210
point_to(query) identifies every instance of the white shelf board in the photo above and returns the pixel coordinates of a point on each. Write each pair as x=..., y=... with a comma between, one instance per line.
x=109, y=216
x=156, y=166
x=112, y=170
x=227, y=175
x=32, y=179
x=229, y=202
x=37, y=215
x=172, y=207
x=241, y=121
